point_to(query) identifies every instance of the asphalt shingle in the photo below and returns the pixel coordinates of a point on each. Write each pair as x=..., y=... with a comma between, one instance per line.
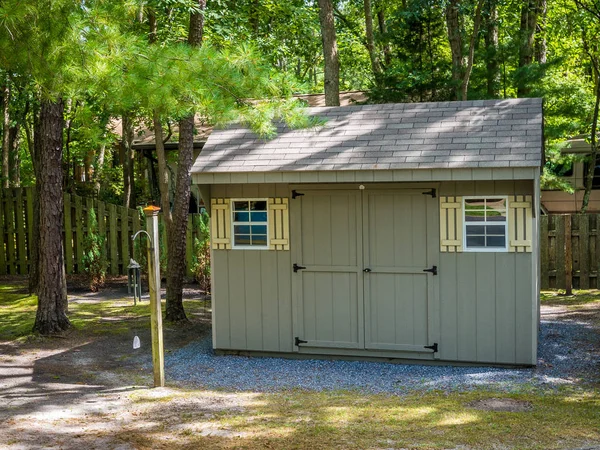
x=482, y=133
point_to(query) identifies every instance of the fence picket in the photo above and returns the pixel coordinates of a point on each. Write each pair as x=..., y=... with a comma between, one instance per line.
x=3, y=269
x=21, y=231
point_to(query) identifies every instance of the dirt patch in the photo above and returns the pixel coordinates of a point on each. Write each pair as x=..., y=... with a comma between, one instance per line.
x=501, y=405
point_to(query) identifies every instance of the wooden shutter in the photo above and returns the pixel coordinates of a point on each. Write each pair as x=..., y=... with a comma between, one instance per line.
x=451, y=224
x=520, y=223
x=220, y=223
x=279, y=224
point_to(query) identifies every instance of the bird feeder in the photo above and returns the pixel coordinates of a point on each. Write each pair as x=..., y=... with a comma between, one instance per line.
x=134, y=280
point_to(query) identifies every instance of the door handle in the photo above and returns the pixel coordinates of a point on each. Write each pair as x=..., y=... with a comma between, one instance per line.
x=367, y=270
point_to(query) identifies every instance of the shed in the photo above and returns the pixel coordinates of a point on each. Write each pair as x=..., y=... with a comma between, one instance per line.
x=403, y=231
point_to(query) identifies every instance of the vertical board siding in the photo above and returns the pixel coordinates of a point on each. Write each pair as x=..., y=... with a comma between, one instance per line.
x=115, y=222
x=585, y=251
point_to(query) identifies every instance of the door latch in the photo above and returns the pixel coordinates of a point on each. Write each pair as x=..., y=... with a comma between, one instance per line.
x=367, y=270
x=296, y=267
x=298, y=341
x=433, y=270
x=433, y=347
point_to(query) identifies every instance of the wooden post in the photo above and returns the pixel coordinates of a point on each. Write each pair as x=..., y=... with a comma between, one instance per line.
x=158, y=359
x=568, y=257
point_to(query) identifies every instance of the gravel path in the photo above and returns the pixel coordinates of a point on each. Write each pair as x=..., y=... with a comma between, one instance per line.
x=566, y=354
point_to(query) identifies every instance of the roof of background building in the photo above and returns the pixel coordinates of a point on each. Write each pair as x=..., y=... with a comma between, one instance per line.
x=471, y=134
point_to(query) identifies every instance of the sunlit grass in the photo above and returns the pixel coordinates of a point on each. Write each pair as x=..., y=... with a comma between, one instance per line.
x=579, y=297
x=18, y=309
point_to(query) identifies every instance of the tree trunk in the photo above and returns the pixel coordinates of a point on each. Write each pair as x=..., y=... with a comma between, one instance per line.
x=491, y=45
x=33, y=143
x=593, y=158
x=375, y=67
x=527, y=34
x=176, y=241
x=51, y=314
x=467, y=75
x=5, y=134
x=330, y=53
x=15, y=160
x=99, y=169
x=163, y=172
x=128, y=160
x=541, y=47
x=456, y=45
x=387, y=51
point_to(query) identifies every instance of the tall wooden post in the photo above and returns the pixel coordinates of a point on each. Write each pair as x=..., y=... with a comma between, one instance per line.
x=158, y=356
x=568, y=257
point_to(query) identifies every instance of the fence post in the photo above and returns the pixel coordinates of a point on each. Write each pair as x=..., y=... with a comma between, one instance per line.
x=568, y=257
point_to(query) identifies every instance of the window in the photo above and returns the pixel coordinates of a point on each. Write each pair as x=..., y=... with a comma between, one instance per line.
x=485, y=224
x=249, y=223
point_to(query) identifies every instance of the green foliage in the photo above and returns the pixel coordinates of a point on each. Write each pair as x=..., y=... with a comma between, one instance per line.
x=201, y=256
x=94, y=254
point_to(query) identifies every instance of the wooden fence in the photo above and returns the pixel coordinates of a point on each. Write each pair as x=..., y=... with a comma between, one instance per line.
x=115, y=222
x=583, y=253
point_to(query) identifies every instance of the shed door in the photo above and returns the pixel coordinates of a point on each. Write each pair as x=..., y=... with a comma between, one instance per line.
x=329, y=289
x=396, y=250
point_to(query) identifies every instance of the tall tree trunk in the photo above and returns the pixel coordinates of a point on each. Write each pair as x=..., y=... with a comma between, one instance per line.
x=375, y=67
x=6, y=133
x=52, y=308
x=33, y=144
x=99, y=169
x=456, y=45
x=176, y=266
x=128, y=161
x=541, y=47
x=15, y=160
x=387, y=51
x=330, y=53
x=491, y=44
x=469, y=68
x=163, y=171
x=527, y=33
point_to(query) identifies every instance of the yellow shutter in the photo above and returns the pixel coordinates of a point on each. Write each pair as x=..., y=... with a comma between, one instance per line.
x=451, y=224
x=279, y=224
x=220, y=223
x=520, y=222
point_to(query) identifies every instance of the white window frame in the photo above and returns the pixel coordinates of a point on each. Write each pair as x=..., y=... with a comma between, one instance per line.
x=464, y=230
x=233, y=223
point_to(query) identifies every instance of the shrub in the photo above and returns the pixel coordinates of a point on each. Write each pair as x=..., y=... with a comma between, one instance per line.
x=94, y=257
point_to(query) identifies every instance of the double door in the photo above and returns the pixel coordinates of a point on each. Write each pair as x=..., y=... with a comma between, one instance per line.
x=360, y=257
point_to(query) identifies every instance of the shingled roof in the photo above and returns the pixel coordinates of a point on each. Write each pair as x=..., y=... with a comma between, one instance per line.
x=471, y=134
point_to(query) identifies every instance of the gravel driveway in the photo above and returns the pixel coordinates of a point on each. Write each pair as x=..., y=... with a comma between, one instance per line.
x=567, y=354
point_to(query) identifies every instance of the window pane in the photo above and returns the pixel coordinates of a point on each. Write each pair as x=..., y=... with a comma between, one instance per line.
x=497, y=230
x=259, y=216
x=475, y=241
x=259, y=239
x=475, y=216
x=260, y=205
x=242, y=239
x=475, y=229
x=241, y=217
x=240, y=206
x=496, y=218
x=475, y=203
x=496, y=241
x=259, y=229
x=241, y=229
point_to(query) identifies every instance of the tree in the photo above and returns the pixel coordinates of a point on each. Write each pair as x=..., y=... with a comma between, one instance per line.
x=178, y=222
x=330, y=53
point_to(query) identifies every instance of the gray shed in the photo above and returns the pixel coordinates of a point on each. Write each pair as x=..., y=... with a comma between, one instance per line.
x=404, y=231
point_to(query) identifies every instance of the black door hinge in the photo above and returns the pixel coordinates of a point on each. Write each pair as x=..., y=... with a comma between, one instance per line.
x=433, y=270
x=298, y=341
x=296, y=267
x=433, y=347
x=295, y=194
x=432, y=192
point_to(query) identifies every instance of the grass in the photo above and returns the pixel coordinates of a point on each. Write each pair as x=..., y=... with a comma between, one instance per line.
x=18, y=309
x=353, y=420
